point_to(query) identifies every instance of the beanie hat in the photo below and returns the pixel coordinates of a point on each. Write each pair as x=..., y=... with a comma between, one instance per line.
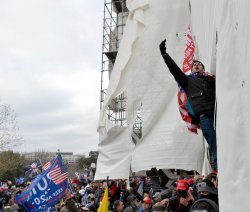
x=206, y=186
x=195, y=61
x=182, y=185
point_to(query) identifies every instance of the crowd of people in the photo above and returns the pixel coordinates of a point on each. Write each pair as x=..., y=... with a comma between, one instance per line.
x=196, y=193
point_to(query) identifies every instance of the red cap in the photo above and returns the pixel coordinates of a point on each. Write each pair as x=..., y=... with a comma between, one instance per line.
x=147, y=200
x=182, y=185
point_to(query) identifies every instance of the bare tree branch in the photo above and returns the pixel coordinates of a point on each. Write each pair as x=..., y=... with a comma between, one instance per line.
x=9, y=132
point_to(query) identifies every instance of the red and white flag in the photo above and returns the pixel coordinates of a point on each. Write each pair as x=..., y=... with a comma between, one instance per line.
x=186, y=68
x=57, y=176
x=46, y=165
x=34, y=165
x=188, y=52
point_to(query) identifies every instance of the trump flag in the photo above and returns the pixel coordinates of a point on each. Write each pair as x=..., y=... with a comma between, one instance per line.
x=47, y=189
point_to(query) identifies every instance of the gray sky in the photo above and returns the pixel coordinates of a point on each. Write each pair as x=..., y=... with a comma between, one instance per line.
x=50, y=61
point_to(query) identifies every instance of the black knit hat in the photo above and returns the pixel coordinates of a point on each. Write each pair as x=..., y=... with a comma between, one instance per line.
x=207, y=186
x=198, y=62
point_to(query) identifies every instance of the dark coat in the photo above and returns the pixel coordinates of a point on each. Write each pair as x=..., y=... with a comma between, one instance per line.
x=200, y=89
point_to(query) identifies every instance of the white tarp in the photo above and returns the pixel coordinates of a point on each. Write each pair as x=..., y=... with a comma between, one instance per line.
x=114, y=162
x=141, y=72
x=233, y=97
x=232, y=59
x=165, y=142
x=117, y=85
x=203, y=21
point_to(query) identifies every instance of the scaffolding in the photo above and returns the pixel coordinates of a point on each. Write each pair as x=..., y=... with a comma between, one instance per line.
x=115, y=16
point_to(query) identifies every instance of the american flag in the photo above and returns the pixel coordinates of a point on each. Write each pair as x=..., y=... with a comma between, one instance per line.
x=46, y=165
x=57, y=176
x=34, y=165
x=186, y=68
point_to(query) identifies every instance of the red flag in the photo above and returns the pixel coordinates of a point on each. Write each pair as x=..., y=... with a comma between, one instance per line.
x=188, y=52
x=186, y=67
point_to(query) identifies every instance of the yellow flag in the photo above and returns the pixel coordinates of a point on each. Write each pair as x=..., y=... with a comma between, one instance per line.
x=62, y=202
x=103, y=207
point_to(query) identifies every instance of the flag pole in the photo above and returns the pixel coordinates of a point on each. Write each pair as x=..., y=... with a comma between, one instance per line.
x=98, y=198
x=58, y=152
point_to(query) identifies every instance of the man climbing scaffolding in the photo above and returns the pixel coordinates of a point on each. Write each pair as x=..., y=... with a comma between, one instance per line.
x=200, y=89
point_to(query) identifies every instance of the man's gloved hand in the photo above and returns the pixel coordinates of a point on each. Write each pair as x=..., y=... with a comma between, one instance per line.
x=163, y=47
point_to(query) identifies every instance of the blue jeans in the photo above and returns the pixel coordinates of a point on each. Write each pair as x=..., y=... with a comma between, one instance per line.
x=208, y=131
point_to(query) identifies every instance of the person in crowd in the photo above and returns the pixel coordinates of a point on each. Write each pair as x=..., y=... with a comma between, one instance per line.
x=204, y=205
x=148, y=182
x=77, y=195
x=57, y=207
x=91, y=203
x=208, y=197
x=213, y=178
x=87, y=188
x=146, y=205
x=70, y=204
x=200, y=89
x=159, y=204
x=91, y=208
x=161, y=199
x=114, y=192
x=182, y=200
x=190, y=181
x=13, y=207
x=4, y=198
x=131, y=204
x=197, y=179
x=156, y=197
x=118, y=206
x=98, y=191
x=206, y=189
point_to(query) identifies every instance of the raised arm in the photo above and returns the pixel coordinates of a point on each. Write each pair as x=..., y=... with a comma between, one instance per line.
x=179, y=76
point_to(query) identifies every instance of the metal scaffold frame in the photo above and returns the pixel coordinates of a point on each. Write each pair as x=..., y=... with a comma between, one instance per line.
x=115, y=15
